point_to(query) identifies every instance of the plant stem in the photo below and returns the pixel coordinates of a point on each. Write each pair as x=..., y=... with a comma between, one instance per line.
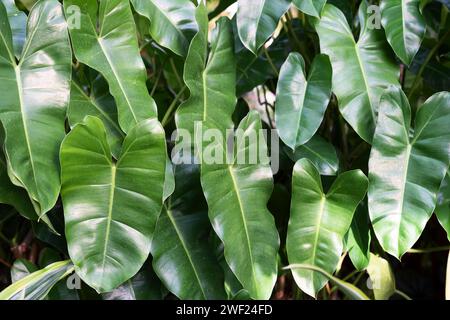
x=425, y=63
x=171, y=108
x=7, y=264
x=269, y=59
x=174, y=69
x=144, y=44
x=2, y=236
x=290, y=29
x=429, y=250
x=358, y=278
x=402, y=294
x=158, y=77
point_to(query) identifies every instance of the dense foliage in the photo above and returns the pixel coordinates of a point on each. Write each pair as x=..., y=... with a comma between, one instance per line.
x=107, y=187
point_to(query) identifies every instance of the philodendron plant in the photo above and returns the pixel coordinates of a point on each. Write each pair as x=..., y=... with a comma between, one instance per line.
x=224, y=149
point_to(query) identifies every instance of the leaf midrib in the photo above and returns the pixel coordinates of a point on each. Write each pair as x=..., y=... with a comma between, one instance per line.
x=244, y=222
x=363, y=73
x=17, y=71
x=183, y=244
x=95, y=104
x=114, y=71
x=318, y=155
x=317, y=234
x=300, y=112
x=109, y=217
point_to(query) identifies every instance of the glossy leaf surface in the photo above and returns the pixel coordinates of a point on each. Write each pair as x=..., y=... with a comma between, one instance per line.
x=361, y=70
x=239, y=215
x=320, y=152
x=258, y=19
x=302, y=100
x=98, y=103
x=172, y=23
x=182, y=257
x=145, y=285
x=319, y=221
x=110, y=210
x=36, y=285
x=405, y=27
x=406, y=168
x=311, y=7
x=357, y=240
x=112, y=49
x=18, y=22
x=32, y=111
x=209, y=77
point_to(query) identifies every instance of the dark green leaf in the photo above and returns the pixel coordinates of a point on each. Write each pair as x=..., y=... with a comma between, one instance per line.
x=320, y=152
x=301, y=100
x=183, y=258
x=357, y=239
x=98, y=103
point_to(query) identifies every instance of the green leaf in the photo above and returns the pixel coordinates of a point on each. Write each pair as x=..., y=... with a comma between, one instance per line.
x=320, y=152
x=112, y=49
x=404, y=26
x=361, y=70
x=319, y=221
x=13, y=195
x=145, y=285
x=381, y=278
x=406, y=170
x=357, y=239
x=32, y=110
x=258, y=19
x=37, y=285
x=182, y=256
x=110, y=211
x=28, y=4
x=172, y=23
x=169, y=181
x=302, y=101
x=237, y=196
x=347, y=288
x=18, y=23
x=98, y=103
x=60, y=290
x=252, y=70
x=442, y=210
x=21, y=268
x=311, y=7
x=210, y=78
